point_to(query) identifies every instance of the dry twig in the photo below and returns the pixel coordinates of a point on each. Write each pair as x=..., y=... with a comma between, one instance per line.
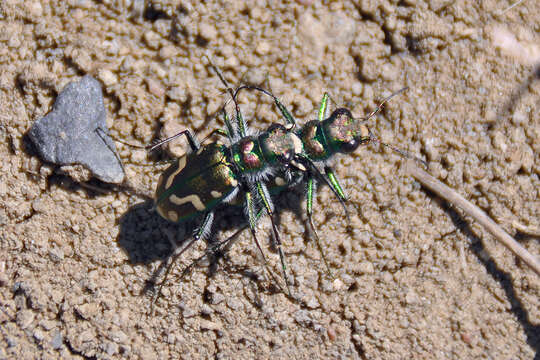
x=475, y=212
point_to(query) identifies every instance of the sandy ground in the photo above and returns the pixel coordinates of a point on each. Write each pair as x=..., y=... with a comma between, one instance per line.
x=413, y=277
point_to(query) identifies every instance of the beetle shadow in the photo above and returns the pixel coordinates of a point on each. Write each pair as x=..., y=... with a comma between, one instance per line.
x=146, y=237
x=143, y=232
x=504, y=278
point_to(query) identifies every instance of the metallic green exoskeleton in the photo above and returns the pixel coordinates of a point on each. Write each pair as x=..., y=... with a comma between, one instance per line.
x=213, y=173
x=340, y=133
x=252, y=168
x=316, y=141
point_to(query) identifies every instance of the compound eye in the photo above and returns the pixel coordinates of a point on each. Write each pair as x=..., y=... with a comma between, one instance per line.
x=350, y=146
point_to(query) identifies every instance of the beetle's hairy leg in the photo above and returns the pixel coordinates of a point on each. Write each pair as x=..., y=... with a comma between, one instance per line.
x=310, y=192
x=199, y=234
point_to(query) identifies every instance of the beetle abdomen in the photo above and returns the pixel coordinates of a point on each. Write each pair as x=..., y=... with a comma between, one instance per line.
x=195, y=183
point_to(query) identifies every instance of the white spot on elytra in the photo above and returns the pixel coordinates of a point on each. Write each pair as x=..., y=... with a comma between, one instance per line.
x=216, y=194
x=181, y=165
x=364, y=131
x=195, y=200
x=173, y=216
x=161, y=212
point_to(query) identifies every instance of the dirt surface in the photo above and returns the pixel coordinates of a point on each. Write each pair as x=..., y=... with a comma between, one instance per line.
x=413, y=277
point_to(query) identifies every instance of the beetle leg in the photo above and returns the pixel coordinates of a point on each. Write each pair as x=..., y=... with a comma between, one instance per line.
x=200, y=233
x=282, y=109
x=222, y=247
x=219, y=132
x=253, y=216
x=329, y=180
x=337, y=189
x=310, y=192
x=252, y=221
x=321, y=115
x=215, y=248
x=192, y=140
x=265, y=197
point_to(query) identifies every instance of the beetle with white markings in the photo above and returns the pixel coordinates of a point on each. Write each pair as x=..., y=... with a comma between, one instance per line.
x=256, y=166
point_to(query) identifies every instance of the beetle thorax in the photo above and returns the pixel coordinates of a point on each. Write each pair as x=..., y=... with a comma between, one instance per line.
x=280, y=145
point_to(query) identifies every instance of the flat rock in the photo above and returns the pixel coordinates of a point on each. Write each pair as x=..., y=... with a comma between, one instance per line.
x=75, y=132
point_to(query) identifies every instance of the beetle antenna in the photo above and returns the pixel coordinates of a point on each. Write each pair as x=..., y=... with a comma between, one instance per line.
x=385, y=100
x=374, y=139
x=403, y=153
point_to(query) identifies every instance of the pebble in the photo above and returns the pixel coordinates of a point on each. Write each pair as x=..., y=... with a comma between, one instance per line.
x=25, y=318
x=312, y=303
x=366, y=267
x=39, y=335
x=302, y=318
x=234, y=304
x=57, y=341
x=107, y=77
x=67, y=135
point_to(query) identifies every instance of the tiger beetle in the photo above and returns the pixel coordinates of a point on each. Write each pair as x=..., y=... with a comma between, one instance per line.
x=255, y=166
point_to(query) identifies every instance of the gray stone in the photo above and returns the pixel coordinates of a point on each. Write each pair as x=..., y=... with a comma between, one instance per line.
x=75, y=132
x=57, y=341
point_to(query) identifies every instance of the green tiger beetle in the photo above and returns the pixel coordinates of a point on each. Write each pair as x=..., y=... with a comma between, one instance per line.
x=257, y=165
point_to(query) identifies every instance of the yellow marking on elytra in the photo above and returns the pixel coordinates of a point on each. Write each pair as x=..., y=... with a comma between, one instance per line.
x=195, y=200
x=216, y=194
x=234, y=182
x=173, y=216
x=181, y=165
x=280, y=181
x=161, y=212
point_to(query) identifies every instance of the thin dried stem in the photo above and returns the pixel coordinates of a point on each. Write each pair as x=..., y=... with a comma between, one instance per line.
x=512, y=6
x=476, y=213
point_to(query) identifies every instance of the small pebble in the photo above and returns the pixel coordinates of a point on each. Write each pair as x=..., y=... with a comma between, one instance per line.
x=25, y=318
x=312, y=303
x=69, y=134
x=107, y=77
x=302, y=318
x=57, y=341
